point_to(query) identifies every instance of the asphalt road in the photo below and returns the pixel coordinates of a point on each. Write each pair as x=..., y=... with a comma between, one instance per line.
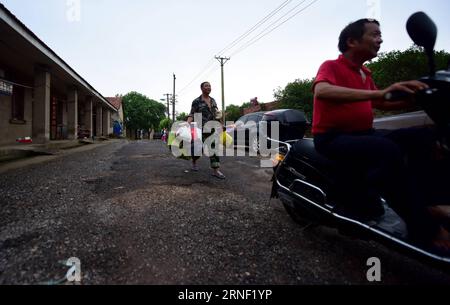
x=132, y=214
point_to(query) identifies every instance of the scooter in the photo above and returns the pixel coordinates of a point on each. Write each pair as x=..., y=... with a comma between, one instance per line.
x=305, y=181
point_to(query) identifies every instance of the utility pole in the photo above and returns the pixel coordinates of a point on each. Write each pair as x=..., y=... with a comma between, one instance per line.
x=168, y=103
x=223, y=61
x=173, y=98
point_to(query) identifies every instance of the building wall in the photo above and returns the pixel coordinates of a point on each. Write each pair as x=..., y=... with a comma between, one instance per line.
x=115, y=117
x=65, y=113
x=121, y=114
x=118, y=116
x=110, y=125
x=262, y=107
x=9, y=132
x=252, y=109
x=122, y=117
x=271, y=106
x=106, y=120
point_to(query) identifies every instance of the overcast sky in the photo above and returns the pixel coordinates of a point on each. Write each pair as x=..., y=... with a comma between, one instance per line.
x=120, y=46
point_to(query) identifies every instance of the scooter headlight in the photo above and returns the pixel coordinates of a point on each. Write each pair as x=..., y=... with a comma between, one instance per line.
x=277, y=159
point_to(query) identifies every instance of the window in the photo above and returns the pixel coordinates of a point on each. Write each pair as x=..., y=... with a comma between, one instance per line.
x=252, y=119
x=5, y=88
x=241, y=121
x=18, y=101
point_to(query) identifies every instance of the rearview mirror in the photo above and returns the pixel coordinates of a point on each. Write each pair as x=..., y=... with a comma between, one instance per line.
x=423, y=32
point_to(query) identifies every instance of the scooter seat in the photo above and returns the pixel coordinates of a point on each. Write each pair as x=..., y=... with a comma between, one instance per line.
x=305, y=151
x=326, y=174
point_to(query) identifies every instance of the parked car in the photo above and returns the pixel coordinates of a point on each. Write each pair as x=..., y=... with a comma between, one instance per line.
x=246, y=130
x=157, y=135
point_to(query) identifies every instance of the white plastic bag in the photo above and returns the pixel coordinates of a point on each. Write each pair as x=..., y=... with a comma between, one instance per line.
x=184, y=133
x=189, y=133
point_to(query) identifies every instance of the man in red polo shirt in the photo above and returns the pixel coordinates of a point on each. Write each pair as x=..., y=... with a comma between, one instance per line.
x=372, y=161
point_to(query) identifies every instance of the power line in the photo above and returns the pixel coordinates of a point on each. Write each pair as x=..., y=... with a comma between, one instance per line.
x=269, y=30
x=260, y=23
x=263, y=33
x=210, y=70
x=208, y=66
x=205, y=74
x=266, y=31
x=236, y=41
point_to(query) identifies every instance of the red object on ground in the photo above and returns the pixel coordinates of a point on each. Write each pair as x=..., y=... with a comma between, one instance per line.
x=24, y=140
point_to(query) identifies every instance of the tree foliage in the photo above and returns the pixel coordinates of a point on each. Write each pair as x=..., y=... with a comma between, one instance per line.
x=165, y=123
x=297, y=95
x=233, y=113
x=398, y=66
x=246, y=105
x=141, y=112
x=182, y=117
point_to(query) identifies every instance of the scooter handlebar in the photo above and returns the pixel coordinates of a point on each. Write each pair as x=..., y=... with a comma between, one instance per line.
x=280, y=142
x=396, y=96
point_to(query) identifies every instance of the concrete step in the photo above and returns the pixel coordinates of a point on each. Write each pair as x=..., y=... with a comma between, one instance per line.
x=19, y=151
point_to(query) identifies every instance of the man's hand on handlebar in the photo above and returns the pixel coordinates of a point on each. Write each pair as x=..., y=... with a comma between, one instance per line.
x=410, y=87
x=399, y=95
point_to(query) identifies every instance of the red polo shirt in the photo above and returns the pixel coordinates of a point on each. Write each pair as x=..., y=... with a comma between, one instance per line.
x=340, y=116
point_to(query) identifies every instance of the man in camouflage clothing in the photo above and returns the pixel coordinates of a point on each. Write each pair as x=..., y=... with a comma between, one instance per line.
x=207, y=107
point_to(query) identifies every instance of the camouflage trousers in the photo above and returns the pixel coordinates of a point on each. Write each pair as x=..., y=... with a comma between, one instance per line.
x=214, y=160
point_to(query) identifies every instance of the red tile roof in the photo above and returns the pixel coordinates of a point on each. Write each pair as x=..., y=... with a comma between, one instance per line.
x=115, y=101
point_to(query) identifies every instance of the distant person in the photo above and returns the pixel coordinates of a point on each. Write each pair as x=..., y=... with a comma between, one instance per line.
x=164, y=135
x=207, y=107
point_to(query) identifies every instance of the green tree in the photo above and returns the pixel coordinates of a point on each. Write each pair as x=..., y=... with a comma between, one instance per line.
x=245, y=105
x=233, y=113
x=297, y=95
x=165, y=123
x=395, y=66
x=182, y=117
x=141, y=112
